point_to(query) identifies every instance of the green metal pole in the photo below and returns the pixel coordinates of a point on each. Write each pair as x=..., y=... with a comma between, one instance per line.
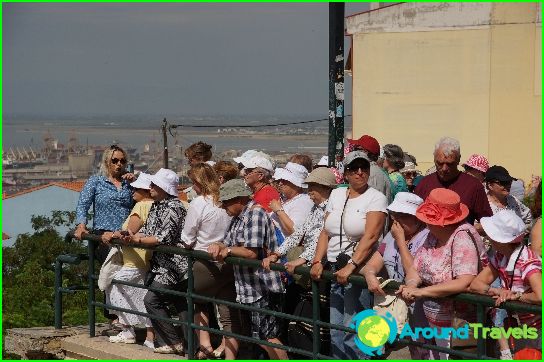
x=91, y=297
x=480, y=317
x=190, y=310
x=58, y=294
x=315, y=316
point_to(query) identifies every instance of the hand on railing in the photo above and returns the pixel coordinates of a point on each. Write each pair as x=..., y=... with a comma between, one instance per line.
x=316, y=271
x=409, y=294
x=80, y=230
x=218, y=251
x=291, y=265
x=272, y=258
x=502, y=295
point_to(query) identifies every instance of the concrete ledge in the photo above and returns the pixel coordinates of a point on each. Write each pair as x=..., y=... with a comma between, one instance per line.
x=84, y=347
x=42, y=342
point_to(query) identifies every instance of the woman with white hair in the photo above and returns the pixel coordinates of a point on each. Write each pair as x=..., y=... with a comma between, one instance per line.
x=163, y=226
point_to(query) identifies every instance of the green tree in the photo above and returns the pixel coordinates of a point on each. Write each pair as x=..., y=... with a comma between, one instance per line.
x=28, y=276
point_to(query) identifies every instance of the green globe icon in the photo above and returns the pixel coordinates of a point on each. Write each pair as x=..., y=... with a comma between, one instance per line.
x=373, y=331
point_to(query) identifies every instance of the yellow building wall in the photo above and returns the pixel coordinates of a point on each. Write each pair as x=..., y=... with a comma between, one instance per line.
x=515, y=133
x=480, y=85
x=413, y=88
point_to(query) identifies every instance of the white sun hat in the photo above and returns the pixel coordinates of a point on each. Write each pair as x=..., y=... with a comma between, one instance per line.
x=167, y=180
x=504, y=227
x=143, y=181
x=258, y=161
x=292, y=172
x=406, y=203
x=252, y=153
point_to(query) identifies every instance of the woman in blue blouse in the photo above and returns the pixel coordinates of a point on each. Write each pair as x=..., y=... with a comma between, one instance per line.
x=111, y=195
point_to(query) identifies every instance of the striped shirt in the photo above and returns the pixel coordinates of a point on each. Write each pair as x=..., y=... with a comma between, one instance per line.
x=516, y=277
x=253, y=228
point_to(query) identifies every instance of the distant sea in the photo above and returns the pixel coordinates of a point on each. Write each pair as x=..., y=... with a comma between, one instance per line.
x=19, y=131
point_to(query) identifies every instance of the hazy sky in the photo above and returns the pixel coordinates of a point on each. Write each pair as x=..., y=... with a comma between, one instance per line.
x=166, y=58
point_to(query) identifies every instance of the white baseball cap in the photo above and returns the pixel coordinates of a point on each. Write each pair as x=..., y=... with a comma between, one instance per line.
x=406, y=203
x=292, y=172
x=258, y=161
x=143, y=181
x=504, y=227
x=167, y=180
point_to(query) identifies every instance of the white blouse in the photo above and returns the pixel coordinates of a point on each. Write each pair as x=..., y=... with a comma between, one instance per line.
x=298, y=209
x=354, y=218
x=205, y=224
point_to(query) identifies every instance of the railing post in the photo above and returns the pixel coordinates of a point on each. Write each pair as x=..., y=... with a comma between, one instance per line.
x=90, y=297
x=480, y=318
x=316, y=311
x=190, y=310
x=58, y=294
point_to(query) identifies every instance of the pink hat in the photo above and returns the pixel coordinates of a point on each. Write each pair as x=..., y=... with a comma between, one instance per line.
x=477, y=162
x=442, y=207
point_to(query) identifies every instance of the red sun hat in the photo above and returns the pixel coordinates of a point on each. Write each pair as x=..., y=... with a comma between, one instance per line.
x=368, y=143
x=442, y=207
x=477, y=162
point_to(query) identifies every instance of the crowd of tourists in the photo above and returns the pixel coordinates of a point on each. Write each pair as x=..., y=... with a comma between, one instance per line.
x=375, y=215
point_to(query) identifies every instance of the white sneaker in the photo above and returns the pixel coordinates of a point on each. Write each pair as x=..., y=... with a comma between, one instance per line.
x=122, y=338
x=149, y=344
x=175, y=348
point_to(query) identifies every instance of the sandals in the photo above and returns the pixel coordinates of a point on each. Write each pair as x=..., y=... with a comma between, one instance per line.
x=219, y=354
x=205, y=353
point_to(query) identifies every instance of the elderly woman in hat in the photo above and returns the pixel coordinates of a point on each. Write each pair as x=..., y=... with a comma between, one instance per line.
x=449, y=259
x=498, y=183
x=168, y=271
x=321, y=182
x=476, y=166
x=135, y=266
x=353, y=224
x=393, y=162
x=518, y=268
x=408, y=229
x=295, y=204
x=411, y=175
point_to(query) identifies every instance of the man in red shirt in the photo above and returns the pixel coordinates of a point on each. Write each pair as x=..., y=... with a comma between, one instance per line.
x=447, y=155
x=257, y=173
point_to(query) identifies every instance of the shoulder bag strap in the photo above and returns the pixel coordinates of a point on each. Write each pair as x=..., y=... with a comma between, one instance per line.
x=342, y=217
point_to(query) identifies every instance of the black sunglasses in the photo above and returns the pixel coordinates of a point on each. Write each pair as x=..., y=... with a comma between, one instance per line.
x=116, y=160
x=355, y=166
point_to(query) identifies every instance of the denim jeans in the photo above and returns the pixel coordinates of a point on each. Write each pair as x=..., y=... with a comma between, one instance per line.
x=346, y=301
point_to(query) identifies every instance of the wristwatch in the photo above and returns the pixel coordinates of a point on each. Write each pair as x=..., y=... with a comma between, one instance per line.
x=352, y=262
x=278, y=210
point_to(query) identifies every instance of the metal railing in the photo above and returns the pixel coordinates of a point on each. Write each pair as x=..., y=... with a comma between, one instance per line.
x=480, y=301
